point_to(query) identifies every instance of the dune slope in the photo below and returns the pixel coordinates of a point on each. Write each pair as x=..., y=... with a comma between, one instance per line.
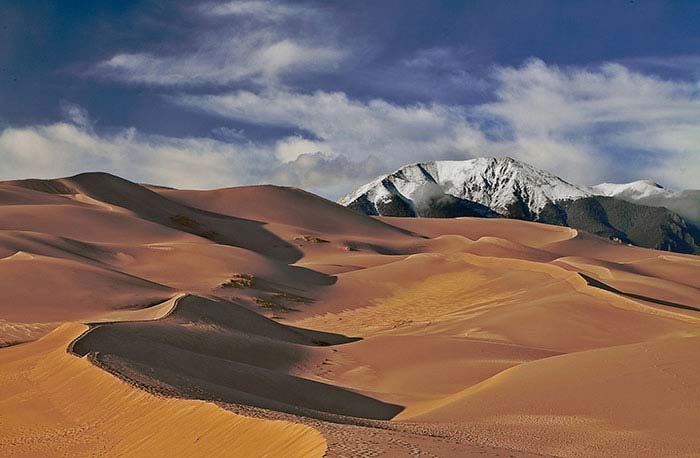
x=365, y=336
x=56, y=404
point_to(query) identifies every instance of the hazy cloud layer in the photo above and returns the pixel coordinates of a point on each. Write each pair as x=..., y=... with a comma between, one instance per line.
x=263, y=42
x=608, y=122
x=64, y=149
x=355, y=129
x=580, y=123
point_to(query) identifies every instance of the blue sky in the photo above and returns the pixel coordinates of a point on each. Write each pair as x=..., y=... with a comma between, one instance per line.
x=326, y=95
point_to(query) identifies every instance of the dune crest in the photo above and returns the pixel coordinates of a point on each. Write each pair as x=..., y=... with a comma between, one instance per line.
x=56, y=404
x=358, y=336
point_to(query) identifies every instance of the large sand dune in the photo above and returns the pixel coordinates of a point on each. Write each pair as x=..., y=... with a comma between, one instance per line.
x=53, y=403
x=371, y=336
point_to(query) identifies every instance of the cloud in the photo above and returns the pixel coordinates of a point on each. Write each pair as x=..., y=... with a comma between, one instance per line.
x=683, y=65
x=63, y=149
x=258, y=42
x=265, y=11
x=587, y=124
x=229, y=134
x=592, y=124
x=439, y=60
x=76, y=114
x=355, y=129
x=289, y=149
x=260, y=57
x=330, y=175
x=602, y=123
x=439, y=74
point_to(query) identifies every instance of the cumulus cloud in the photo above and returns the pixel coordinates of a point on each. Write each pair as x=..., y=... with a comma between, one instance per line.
x=600, y=123
x=262, y=43
x=289, y=149
x=330, y=175
x=356, y=129
x=593, y=124
x=63, y=149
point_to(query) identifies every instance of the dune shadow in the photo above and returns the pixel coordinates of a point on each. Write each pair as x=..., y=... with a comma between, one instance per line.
x=220, y=351
x=599, y=284
x=156, y=208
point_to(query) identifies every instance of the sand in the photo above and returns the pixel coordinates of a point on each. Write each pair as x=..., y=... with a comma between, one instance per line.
x=365, y=336
x=56, y=404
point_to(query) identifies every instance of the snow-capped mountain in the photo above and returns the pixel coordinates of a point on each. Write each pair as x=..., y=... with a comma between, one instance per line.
x=636, y=213
x=645, y=192
x=503, y=185
x=634, y=190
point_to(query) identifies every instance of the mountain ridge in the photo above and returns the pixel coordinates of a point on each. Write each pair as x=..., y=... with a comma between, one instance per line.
x=647, y=192
x=505, y=187
x=501, y=184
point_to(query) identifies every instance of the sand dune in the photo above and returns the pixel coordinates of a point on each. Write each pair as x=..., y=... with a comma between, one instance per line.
x=388, y=336
x=56, y=404
x=633, y=400
x=287, y=206
x=92, y=289
x=225, y=352
x=625, y=277
x=534, y=235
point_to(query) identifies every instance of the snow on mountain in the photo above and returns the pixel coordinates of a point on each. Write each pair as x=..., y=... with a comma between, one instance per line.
x=636, y=189
x=506, y=186
x=644, y=192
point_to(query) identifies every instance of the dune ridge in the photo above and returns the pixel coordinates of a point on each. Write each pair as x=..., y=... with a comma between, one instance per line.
x=364, y=336
x=92, y=412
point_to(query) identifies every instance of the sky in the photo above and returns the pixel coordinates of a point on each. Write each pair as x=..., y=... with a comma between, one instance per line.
x=326, y=95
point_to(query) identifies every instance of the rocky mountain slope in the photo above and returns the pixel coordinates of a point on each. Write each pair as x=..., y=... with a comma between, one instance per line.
x=477, y=187
x=685, y=203
x=625, y=222
x=505, y=187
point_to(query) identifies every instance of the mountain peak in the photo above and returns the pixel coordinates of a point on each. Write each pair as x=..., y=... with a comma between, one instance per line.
x=636, y=189
x=503, y=184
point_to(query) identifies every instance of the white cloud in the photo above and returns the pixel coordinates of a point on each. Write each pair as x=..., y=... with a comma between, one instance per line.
x=603, y=123
x=355, y=129
x=290, y=148
x=258, y=9
x=248, y=41
x=64, y=149
x=589, y=125
x=330, y=175
x=259, y=57
x=586, y=124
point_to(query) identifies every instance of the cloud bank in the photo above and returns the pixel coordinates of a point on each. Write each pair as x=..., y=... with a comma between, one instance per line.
x=579, y=123
x=66, y=148
x=609, y=122
x=589, y=125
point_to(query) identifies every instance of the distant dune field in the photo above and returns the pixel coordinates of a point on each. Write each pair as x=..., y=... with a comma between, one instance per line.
x=267, y=321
